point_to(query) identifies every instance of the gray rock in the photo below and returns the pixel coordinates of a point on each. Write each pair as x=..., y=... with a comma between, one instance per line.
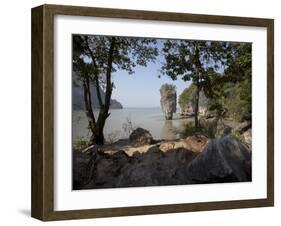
x=156, y=168
x=248, y=138
x=106, y=169
x=78, y=96
x=221, y=128
x=222, y=160
x=203, y=104
x=168, y=100
x=82, y=168
x=243, y=127
x=189, y=107
x=141, y=136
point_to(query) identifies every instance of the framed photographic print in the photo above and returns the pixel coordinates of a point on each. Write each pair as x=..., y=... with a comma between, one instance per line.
x=141, y=112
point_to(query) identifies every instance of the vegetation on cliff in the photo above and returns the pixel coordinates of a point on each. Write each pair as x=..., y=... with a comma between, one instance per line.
x=228, y=93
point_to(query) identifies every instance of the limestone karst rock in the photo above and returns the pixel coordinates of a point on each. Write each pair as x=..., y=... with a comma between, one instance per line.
x=168, y=100
x=78, y=99
x=187, y=102
x=187, y=107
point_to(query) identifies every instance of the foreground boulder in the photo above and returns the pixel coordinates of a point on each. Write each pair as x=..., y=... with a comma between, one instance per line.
x=152, y=168
x=155, y=168
x=221, y=160
x=82, y=167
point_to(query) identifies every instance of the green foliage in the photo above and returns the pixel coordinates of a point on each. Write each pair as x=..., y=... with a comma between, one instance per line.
x=230, y=93
x=80, y=144
x=192, y=60
x=206, y=128
x=94, y=60
x=127, y=53
x=187, y=96
x=239, y=101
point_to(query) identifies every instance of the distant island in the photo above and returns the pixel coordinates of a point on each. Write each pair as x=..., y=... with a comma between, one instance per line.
x=78, y=101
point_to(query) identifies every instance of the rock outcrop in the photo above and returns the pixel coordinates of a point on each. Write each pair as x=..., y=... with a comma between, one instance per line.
x=245, y=130
x=193, y=143
x=247, y=135
x=187, y=109
x=82, y=169
x=190, y=161
x=168, y=100
x=140, y=137
x=222, y=160
x=243, y=127
x=221, y=128
x=188, y=106
x=78, y=98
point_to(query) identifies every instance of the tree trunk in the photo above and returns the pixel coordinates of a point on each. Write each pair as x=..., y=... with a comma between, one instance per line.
x=103, y=114
x=197, y=71
x=88, y=106
x=97, y=137
x=97, y=127
x=196, y=107
x=97, y=132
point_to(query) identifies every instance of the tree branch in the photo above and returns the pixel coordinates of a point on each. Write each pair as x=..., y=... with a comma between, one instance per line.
x=95, y=73
x=108, y=73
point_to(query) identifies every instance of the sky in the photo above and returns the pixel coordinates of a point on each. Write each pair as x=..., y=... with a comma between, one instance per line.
x=142, y=89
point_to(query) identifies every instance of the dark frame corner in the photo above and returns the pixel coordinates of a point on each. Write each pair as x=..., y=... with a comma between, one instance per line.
x=42, y=203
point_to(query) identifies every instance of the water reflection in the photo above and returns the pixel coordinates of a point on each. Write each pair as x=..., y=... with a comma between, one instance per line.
x=169, y=131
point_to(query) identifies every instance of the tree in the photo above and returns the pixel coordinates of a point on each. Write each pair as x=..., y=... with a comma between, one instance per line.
x=168, y=100
x=191, y=60
x=95, y=59
x=186, y=98
x=239, y=73
x=230, y=92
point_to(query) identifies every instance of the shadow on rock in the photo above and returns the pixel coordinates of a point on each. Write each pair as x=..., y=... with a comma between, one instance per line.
x=221, y=160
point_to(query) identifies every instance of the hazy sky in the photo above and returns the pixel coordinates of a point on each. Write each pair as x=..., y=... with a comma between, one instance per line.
x=142, y=89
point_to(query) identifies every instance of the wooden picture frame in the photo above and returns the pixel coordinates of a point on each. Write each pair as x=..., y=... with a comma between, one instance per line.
x=42, y=204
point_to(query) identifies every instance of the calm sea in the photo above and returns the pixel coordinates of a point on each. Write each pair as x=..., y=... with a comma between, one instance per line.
x=120, y=122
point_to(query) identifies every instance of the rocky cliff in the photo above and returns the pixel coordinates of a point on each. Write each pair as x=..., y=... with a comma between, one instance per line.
x=187, y=106
x=78, y=99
